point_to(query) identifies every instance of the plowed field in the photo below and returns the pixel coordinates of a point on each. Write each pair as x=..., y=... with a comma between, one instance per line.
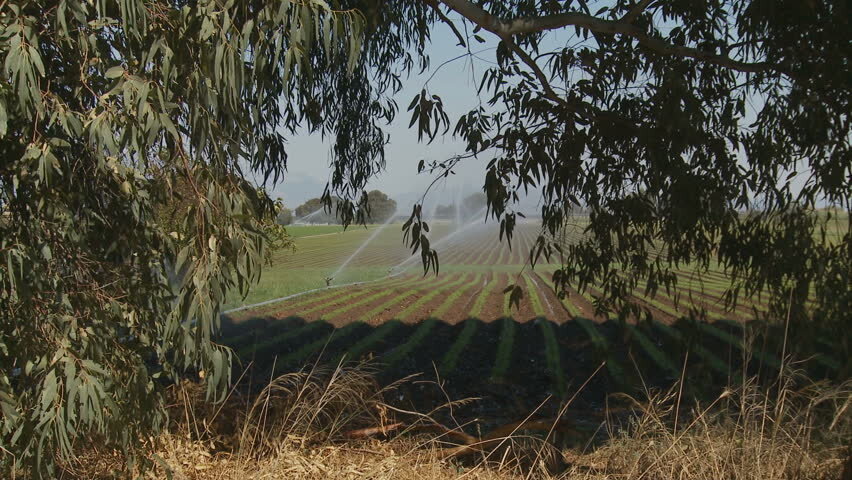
x=457, y=326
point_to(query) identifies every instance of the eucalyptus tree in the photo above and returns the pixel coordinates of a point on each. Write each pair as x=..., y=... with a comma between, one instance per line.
x=665, y=119
x=694, y=134
x=109, y=109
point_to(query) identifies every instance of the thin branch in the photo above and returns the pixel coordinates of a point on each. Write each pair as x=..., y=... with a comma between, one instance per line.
x=583, y=109
x=445, y=19
x=518, y=26
x=542, y=78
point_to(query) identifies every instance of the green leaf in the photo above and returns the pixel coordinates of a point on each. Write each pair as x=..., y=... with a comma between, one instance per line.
x=115, y=72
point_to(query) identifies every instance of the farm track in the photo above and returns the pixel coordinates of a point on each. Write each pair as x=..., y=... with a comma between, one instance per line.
x=459, y=324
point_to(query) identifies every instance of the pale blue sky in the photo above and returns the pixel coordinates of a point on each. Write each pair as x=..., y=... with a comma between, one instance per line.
x=308, y=164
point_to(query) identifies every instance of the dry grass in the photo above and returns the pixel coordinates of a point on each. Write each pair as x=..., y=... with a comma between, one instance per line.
x=301, y=427
x=743, y=435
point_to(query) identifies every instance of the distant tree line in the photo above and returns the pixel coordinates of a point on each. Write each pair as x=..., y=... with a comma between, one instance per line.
x=472, y=206
x=378, y=209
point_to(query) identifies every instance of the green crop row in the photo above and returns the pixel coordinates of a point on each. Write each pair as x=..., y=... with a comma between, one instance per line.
x=398, y=298
x=451, y=358
x=252, y=333
x=552, y=356
x=355, y=351
x=712, y=360
x=369, y=298
x=308, y=349
x=262, y=347
x=506, y=342
x=658, y=356
x=765, y=358
x=405, y=313
x=551, y=346
x=819, y=357
x=397, y=354
x=448, y=363
x=600, y=344
x=317, y=297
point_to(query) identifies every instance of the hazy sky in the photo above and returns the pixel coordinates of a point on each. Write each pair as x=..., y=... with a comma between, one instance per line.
x=308, y=163
x=455, y=82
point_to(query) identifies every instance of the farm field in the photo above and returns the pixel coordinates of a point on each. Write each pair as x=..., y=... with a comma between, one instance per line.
x=298, y=231
x=458, y=325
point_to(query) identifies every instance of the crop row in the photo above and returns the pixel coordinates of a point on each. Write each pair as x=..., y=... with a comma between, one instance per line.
x=406, y=341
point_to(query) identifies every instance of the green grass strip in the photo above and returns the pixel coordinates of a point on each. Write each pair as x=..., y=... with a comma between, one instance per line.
x=451, y=358
x=712, y=360
x=601, y=345
x=765, y=358
x=413, y=342
x=658, y=356
x=504, y=348
x=308, y=349
x=283, y=337
x=355, y=351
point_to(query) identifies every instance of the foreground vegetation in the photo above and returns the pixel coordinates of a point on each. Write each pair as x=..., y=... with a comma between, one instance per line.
x=323, y=424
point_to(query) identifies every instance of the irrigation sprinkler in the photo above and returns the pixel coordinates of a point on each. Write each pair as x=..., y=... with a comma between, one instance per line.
x=364, y=245
x=396, y=268
x=301, y=220
x=458, y=208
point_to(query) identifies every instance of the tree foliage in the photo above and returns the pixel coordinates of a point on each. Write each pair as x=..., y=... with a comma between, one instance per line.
x=315, y=210
x=380, y=207
x=109, y=111
x=373, y=207
x=470, y=208
x=285, y=216
x=693, y=134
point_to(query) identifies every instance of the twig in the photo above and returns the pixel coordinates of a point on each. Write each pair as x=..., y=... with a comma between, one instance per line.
x=371, y=431
x=445, y=19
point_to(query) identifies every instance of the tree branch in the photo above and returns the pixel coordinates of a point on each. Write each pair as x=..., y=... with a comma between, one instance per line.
x=518, y=26
x=636, y=11
x=542, y=78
